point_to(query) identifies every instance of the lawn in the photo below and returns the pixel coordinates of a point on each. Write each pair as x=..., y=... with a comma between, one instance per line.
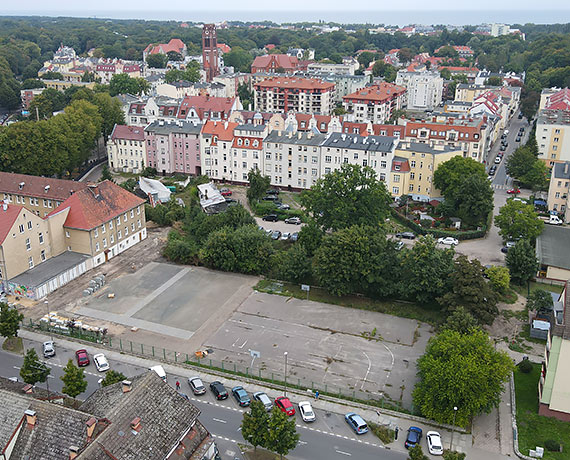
x=14, y=345
x=430, y=314
x=535, y=430
x=522, y=290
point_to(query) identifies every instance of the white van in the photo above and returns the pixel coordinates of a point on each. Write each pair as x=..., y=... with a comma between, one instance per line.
x=159, y=371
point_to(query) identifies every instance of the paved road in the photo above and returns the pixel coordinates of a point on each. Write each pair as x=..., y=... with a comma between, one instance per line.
x=279, y=225
x=94, y=175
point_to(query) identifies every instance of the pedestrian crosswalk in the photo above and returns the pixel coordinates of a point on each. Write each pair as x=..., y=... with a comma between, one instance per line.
x=499, y=186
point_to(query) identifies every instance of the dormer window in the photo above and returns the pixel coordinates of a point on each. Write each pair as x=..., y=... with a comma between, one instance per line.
x=255, y=143
x=239, y=142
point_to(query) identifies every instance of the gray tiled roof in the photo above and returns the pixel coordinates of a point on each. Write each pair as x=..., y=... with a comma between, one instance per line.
x=315, y=139
x=561, y=170
x=250, y=127
x=425, y=148
x=357, y=142
x=553, y=247
x=11, y=412
x=179, y=127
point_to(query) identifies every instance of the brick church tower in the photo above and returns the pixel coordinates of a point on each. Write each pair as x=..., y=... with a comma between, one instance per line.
x=210, y=51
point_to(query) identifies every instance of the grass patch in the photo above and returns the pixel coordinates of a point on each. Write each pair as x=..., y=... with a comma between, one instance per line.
x=534, y=429
x=521, y=315
x=430, y=314
x=13, y=345
x=385, y=434
x=525, y=335
x=522, y=290
x=260, y=454
x=509, y=297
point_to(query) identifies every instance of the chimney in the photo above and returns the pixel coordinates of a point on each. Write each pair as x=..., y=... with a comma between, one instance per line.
x=136, y=424
x=31, y=417
x=73, y=452
x=94, y=189
x=566, y=168
x=127, y=386
x=91, y=424
x=279, y=133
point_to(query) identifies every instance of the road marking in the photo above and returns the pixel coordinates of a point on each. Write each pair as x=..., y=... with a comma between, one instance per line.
x=219, y=420
x=343, y=453
x=16, y=367
x=243, y=344
x=302, y=442
x=224, y=438
x=367, y=370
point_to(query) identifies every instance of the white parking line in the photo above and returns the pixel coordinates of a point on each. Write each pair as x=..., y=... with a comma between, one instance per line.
x=343, y=453
x=219, y=420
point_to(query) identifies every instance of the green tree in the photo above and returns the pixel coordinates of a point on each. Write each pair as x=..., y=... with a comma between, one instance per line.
x=74, y=381
x=460, y=320
x=366, y=58
x=10, y=320
x=416, y=453
x=157, y=61
x=470, y=290
x=105, y=174
x=537, y=176
x=451, y=174
x=520, y=162
x=387, y=71
x=347, y=196
x=518, y=220
x=122, y=83
x=310, y=237
x=293, y=265
x=522, y=262
x=282, y=435
x=540, y=300
x=474, y=200
x=33, y=370
x=32, y=83
x=174, y=56
x=112, y=377
x=499, y=278
x=143, y=86
x=258, y=184
x=405, y=55
x=245, y=95
x=110, y=111
x=254, y=425
x=52, y=76
x=494, y=81
x=239, y=59
x=463, y=371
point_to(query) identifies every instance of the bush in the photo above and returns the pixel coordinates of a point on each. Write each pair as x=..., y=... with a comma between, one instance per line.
x=552, y=445
x=425, y=223
x=525, y=366
x=466, y=235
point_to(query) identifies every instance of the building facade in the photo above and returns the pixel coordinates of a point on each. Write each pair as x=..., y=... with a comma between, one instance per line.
x=216, y=140
x=375, y=103
x=424, y=89
x=559, y=190
x=126, y=149
x=210, y=55
x=553, y=136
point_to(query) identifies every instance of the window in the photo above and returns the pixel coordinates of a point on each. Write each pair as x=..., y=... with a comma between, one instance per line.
x=21, y=227
x=43, y=255
x=396, y=178
x=138, y=210
x=28, y=244
x=41, y=238
x=395, y=190
x=138, y=223
x=97, y=247
x=96, y=233
x=66, y=234
x=112, y=239
x=126, y=231
x=118, y=221
x=132, y=226
x=111, y=225
x=30, y=262
x=132, y=213
x=124, y=217
x=30, y=225
x=119, y=234
x=104, y=242
x=103, y=228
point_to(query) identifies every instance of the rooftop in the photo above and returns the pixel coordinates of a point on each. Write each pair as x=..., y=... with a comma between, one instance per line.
x=124, y=132
x=560, y=171
x=377, y=93
x=355, y=141
x=555, y=391
x=38, y=187
x=49, y=269
x=553, y=247
x=176, y=127
x=295, y=83
x=553, y=117
x=300, y=138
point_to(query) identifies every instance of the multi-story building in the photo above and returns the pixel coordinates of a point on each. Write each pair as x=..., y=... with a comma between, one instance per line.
x=424, y=89
x=275, y=63
x=201, y=108
x=553, y=136
x=126, y=149
x=173, y=147
x=210, y=54
x=375, y=103
x=559, y=189
x=555, y=99
x=175, y=45
x=28, y=95
x=231, y=82
x=282, y=94
x=339, y=69
x=216, y=140
x=247, y=151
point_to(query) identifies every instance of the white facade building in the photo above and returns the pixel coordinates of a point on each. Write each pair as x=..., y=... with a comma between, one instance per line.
x=425, y=89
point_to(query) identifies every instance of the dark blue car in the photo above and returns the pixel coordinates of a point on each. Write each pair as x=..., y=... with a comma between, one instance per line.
x=414, y=437
x=241, y=396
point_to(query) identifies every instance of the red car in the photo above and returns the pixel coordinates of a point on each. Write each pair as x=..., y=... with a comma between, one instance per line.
x=82, y=358
x=226, y=192
x=513, y=191
x=285, y=405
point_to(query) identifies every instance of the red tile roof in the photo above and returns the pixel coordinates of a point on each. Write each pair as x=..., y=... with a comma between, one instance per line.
x=224, y=131
x=470, y=131
x=96, y=205
x=459, y=69
x=320, y=119
x=274, y=61
x=7, y=219
x=382, y=92
x=559, y=100
x=204, y=104
x=224, y=48
x=402, y=163
x=59, y=189
x=295, y=83
x=251, y=141
x=129, y=133
x=173, y=45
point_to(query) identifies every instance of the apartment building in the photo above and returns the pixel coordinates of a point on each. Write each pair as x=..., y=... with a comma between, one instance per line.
x=328, y=67
x=559, y=189
x=201, y=108
x=555, y=99
x=553, y=136
x=126, y=149
x=424, y=89
x=275, y=63
x=247, y=151
x=173, y=147
x=375, y=103
x=283, y=94
x=216, y=140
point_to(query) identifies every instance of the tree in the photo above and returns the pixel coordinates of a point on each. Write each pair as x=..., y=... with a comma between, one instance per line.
x=105, y=174
x=522, y=262
x=518, y=220
x=451, y=174
x=494, y=81
x=381, y=69
x=112, y=377
x=111, y=112
x=33, y=370
x=461, y=321
x=537, y=176
x=239, y=59
x=293, y=265
x=254, y=425
x=474, y=200
x=540, y=300
x=416, y=453
x=174, y=56
x=144, y=86
x=347, y=196
x=74, y=381
x=520, y=162
x=405, y=55
x=122, y=83
x=310, y=237
x=425, y=271
x=157, y=61
x=282, y=435
x=10, y=320
x=245, y=95
x=32, y=83
x=365, y=59
x=463, y=371
x=52, y=76
x=499, y=277
x=470, y=290
x=258, y=184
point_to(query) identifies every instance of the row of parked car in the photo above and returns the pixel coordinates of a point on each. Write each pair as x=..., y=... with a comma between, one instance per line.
x=81, y=356
x=277, y=235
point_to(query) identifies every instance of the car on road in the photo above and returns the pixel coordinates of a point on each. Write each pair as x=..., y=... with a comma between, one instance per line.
x=407, y=235
x=263, y=399
x=273, y=198
x=241, y=396
x=270, y=218
x=492, y=172
x=226, y=192
x=435, y=446
x=518, y=139
x=513, y=191
x=356, y=422
x=294, y=236
x=49, y=349
x=502, y=148
x=497, y=159
x=219, y=390
x=101, y=362
x=414, y=437
x=306, y=411
x=520, y=116
x=448, y=240
x=285, y=405
x=293, y=220
x=196, y=385
x=276, y=235
x=285, y=236
x=82, y=358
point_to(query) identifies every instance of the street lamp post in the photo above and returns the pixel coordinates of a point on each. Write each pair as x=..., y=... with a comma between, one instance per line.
x=285, y=393
x=48, y=321
x=453, y=428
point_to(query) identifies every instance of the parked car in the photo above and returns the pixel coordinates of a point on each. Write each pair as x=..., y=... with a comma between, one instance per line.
x=272, y=191
x=502, y=148
x=356, y=422
x=510, y=244
x=306, y=411
x=49, y=349
x=399, y=245
x=448, y=240
x=82, y=358
x=268, y=232
x=492, y=172
x=520, y=116
x=270, y=198
x=241, y=396
x=504, y=249
x=230, y=200
x=285, y=236
x=497, y=159
x=294, y=236
x=197, y=385
x=285, y=207
x=513, y=191
x=101, y=362
x=226, y=192
x=276, y=235
x=263, y=399
x=270, y=218
x=293, y=220
x=219, y=390
x=518, y=139
x=284, y=404
x=435, y=446
x=414, y=437
x=407, y=235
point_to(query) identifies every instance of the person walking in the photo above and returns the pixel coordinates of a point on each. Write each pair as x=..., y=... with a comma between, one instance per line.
x=317, y=394
x=177, y=385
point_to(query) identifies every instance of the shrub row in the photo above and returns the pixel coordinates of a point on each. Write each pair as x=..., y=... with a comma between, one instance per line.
x=465, y=235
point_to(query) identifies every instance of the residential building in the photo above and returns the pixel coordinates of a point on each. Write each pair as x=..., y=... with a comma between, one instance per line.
x=555, y=99
x=275, y=63
x=282, y=94
x=126, y=149
x=210, y=54
x=553, y=136
x=424, y=89
x=344, y=84
x=175, y=45
x=28, y=95
x=375, y=103
x=469, y=72
x=175, y=89
x=559, y=190
x=554, y=379
x=339, y=69
x=216, y=140
x=247, y=151
x=173, y=147
x=301, y=53
x=201, y=108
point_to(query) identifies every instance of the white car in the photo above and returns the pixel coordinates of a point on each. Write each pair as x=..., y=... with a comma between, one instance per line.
x=101, y=362
x=285, y=236
x=448, y=240
x=434, y=443
x=306, y=411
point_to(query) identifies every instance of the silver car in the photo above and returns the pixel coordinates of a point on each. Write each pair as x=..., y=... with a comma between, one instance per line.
x=264, y=399
x=49, y=349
